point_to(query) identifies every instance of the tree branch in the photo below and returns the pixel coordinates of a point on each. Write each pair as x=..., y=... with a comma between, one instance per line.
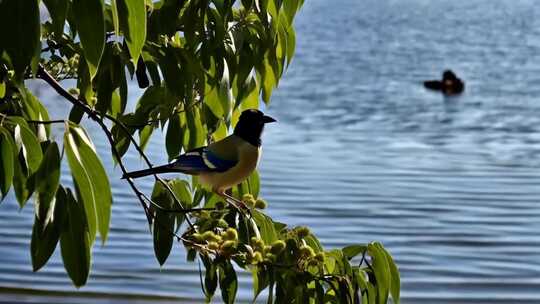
x=43, y=74
x=149, y=164
x=46, y=122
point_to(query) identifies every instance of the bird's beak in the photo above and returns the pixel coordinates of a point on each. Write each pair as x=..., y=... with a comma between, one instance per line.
x=268, y=119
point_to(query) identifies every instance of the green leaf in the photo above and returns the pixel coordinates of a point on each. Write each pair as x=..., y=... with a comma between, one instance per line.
x=254, y=184
x=269, y=80
x=395, y=283
x=2, y=89
x=140, y=73
x=82, y=181
x=47, y=176
x=260, y=280
x=22, y=184
x=212, y=101
x=121, y=139
x=6, y=164
x=266, y=227
x=182, y=191
x=353, y=250
x=116, y=22
x=291, y=44
x=196, y=129
x=90, y=21
x=225, y=92
x=210, y=278
x=381, y=271
x=100, y=183
x=174, y=137
x=20, y=32
x=290, y=7
x=58, y=11
x=319, y=293
x=163, y=223
x=90, y=179
x=132, y=16
x=28, y=144
x=76, y=114
x=163, y=238
x=248, y=95
x=366, y=287
x=105, y=84
x=144, y=135
x=75, y=242
x=46, y=230
x=84, y=83
x=228, y=282
x=313, y=242
x=172, y=74
x=116, y=103
x=334, y=261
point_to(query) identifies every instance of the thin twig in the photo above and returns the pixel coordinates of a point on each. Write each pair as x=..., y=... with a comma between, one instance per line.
x=46, y=122
x=147, y=161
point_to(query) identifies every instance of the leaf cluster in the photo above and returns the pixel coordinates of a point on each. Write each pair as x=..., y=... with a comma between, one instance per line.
x=199, y=63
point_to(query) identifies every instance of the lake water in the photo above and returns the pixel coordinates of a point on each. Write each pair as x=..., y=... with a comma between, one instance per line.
x=363, y=152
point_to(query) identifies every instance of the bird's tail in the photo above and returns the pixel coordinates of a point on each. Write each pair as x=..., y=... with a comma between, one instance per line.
x=145, y=172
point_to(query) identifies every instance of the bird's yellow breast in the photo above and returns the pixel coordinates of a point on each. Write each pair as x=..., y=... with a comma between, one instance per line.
x=232, y=148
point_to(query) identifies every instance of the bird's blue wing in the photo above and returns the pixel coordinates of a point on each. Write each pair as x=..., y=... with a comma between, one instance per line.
x=201, y=160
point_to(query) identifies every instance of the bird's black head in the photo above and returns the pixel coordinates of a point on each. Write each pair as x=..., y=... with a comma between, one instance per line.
x=449, y=75
x=250, y=126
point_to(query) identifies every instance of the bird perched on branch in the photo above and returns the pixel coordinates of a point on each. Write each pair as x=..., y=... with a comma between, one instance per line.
x=225, y=163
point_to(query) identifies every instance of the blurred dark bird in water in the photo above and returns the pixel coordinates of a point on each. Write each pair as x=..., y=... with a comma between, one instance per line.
x=449, y=85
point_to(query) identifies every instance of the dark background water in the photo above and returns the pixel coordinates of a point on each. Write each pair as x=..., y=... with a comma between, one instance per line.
x=362, y=152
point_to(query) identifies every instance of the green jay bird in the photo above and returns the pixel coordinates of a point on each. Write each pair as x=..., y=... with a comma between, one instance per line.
x=225, y=163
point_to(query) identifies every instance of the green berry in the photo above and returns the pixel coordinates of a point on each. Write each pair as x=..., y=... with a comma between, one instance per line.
x=257, y=257
x=228, y=245
x=210, y=236
x=197, y=237
x=230, y=234
x=213, y=246
x=250, y=203
x=222, y=223
x=260, y=204
x=313, y=262
x=302, y=232
x=270, y=257
x=277, y=247
x=258, y=244
x=247, y=197
x=320, y=257
x=306, y=251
